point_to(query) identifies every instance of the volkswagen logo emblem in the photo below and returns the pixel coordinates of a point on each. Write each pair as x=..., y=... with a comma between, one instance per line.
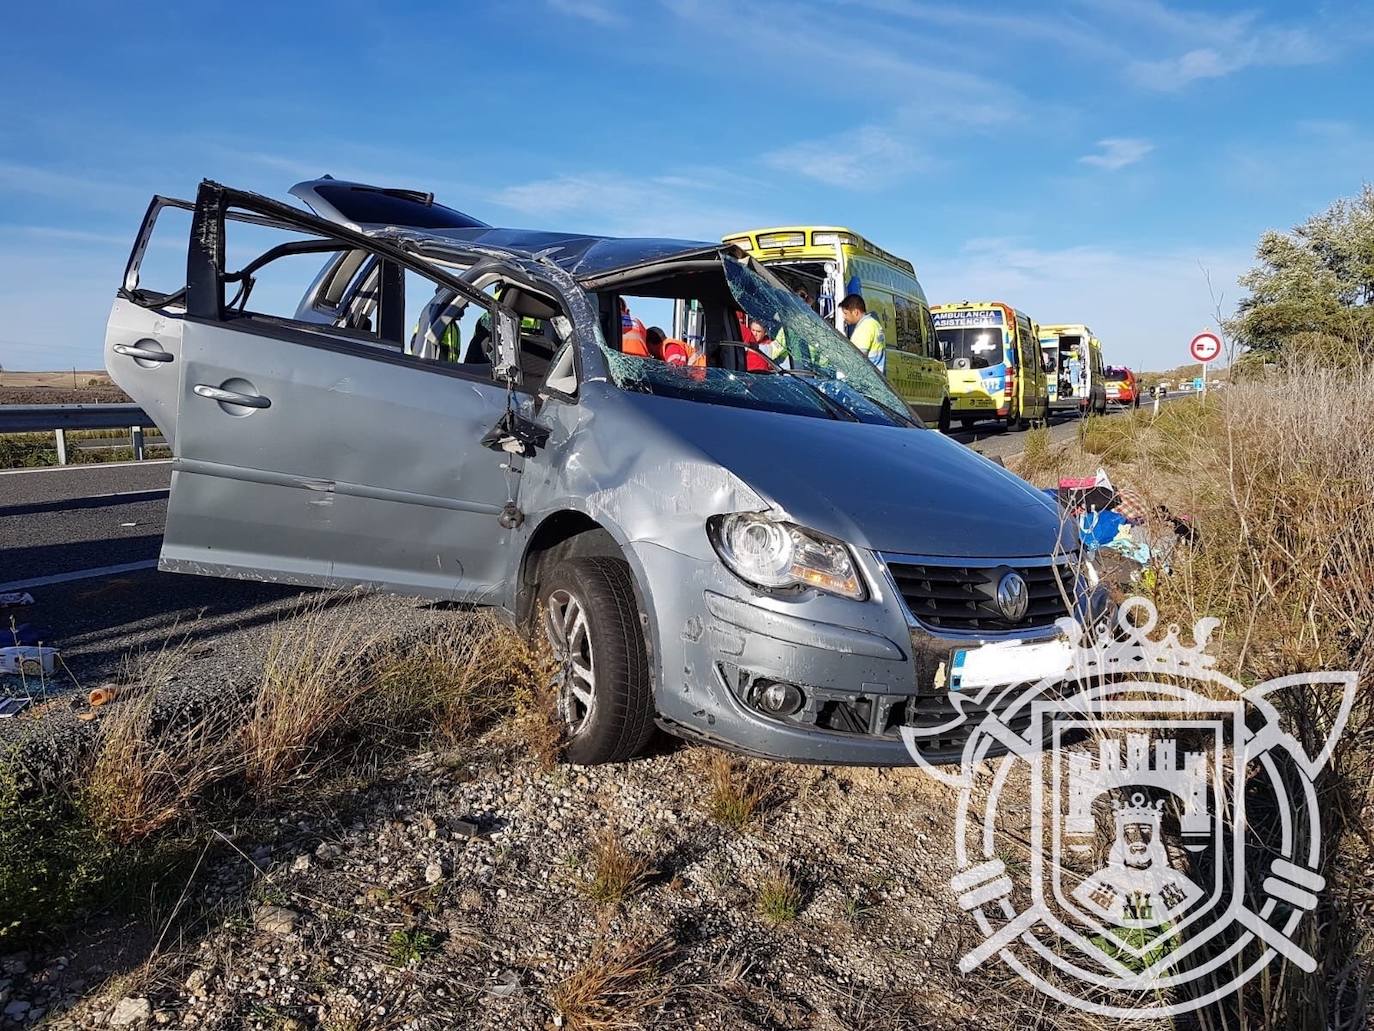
x=1013, y=598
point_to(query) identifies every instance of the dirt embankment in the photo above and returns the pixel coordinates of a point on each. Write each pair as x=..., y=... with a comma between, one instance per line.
x=59, y=388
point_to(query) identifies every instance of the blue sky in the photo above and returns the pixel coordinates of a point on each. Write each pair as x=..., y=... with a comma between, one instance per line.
x=1083, y=161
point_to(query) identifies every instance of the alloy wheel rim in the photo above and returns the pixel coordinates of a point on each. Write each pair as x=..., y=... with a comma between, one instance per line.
x=569, y=634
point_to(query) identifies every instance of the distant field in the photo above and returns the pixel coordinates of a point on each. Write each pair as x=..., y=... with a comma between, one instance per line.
x=59, y=388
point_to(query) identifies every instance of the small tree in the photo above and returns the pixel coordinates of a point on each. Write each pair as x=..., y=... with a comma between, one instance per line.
x=1316, y=281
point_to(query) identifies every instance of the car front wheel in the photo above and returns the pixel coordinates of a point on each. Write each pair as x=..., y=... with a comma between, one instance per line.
x=591, y=622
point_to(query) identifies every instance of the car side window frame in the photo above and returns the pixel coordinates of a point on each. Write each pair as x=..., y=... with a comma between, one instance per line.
x=205, y=281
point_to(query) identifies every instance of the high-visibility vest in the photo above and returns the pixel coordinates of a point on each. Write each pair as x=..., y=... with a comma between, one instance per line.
x=632, y=338
x=776, y=350
x=869, y=338
x=679, y=352
x=447, y=344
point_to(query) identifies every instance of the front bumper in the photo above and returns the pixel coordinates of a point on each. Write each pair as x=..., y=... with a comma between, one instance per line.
x=866, y=669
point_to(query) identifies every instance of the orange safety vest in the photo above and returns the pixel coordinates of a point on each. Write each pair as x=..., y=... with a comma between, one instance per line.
x=679, y=352
x=632, y=339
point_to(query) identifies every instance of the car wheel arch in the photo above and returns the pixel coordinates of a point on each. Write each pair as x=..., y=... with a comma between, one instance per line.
x=571, y=533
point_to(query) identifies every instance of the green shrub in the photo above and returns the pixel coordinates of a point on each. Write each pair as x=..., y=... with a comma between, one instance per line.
x=52, y=863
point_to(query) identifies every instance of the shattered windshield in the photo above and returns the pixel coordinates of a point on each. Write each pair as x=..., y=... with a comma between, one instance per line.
x=811, y=347
x=806, y=368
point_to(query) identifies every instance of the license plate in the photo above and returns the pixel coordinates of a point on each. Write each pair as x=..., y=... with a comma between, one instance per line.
x=1008, y=663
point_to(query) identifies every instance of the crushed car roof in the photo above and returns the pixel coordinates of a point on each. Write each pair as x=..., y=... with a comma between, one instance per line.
x=398, y=212
x=582, y=257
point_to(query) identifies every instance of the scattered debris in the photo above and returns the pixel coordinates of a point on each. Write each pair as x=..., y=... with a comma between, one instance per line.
x=27, y=660
x=102, y=695
x=11, y=707
x=1132, y=541
x=14, y=598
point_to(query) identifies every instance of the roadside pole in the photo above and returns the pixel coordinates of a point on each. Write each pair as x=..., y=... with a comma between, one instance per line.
x=1205, y=348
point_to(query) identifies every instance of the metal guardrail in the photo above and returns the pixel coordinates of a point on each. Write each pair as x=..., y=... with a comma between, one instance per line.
x=57, y=419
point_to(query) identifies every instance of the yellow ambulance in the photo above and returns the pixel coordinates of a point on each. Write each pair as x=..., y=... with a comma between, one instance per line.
x=992, y=353
x=1077, y=374
x=830, y=262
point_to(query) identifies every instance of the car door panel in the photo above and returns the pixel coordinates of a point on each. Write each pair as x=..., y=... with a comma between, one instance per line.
x=317, y=454
x=143, y=333
x=356, y=470
x=133, y=336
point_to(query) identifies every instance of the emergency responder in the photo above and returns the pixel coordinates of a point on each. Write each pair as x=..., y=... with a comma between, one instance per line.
x=437, y=335
x=865, y=330
x=632, y=336
x=654, y=337
x=776, y=350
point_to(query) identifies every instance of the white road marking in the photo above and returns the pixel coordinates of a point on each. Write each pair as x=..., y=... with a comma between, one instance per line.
x=79, y=574
x=86, y=465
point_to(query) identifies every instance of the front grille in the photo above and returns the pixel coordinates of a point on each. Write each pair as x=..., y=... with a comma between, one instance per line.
x=949, y=597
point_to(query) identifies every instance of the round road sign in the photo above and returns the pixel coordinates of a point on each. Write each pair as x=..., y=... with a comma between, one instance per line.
x=1205, y=347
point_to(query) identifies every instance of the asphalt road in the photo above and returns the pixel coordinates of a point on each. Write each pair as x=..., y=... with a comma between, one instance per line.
x=995, y=440
x=69, y=519
x=60, y=521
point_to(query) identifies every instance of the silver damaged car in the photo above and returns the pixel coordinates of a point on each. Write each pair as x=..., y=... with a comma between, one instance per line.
x=770, y=554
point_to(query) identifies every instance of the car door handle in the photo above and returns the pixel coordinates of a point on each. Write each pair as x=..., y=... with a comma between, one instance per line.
x=232, y=397
x=133, y=351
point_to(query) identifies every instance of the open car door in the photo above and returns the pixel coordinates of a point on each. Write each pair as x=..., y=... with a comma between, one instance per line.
x=329, y=454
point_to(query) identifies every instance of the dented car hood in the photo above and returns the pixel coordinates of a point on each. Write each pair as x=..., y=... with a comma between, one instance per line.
x=890, y=489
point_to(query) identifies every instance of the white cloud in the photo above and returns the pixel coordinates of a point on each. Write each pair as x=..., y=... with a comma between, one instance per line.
x=1116, y=152
x=66, y=234
x=1158, y=46
x=76, y=191
x=1220, y=45
x=692, y=206
x=1144, y=305
x=866, y=158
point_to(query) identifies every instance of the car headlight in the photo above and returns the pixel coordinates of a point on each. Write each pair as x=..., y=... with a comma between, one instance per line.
x=775, y=555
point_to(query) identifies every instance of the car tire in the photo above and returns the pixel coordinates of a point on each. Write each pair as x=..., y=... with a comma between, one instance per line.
x=942, y=423
x=590, y=618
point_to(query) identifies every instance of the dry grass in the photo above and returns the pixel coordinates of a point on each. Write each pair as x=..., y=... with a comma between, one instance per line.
x=739, y=791
x=536, y=728
x=150, y=767
x=1277, y=474
x=316, y=672
x=155, y=668
x=331, y=686
x=1038, y=453
x=459, y=682
x=616, y=872
x=615, y=987
x=779, y=897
